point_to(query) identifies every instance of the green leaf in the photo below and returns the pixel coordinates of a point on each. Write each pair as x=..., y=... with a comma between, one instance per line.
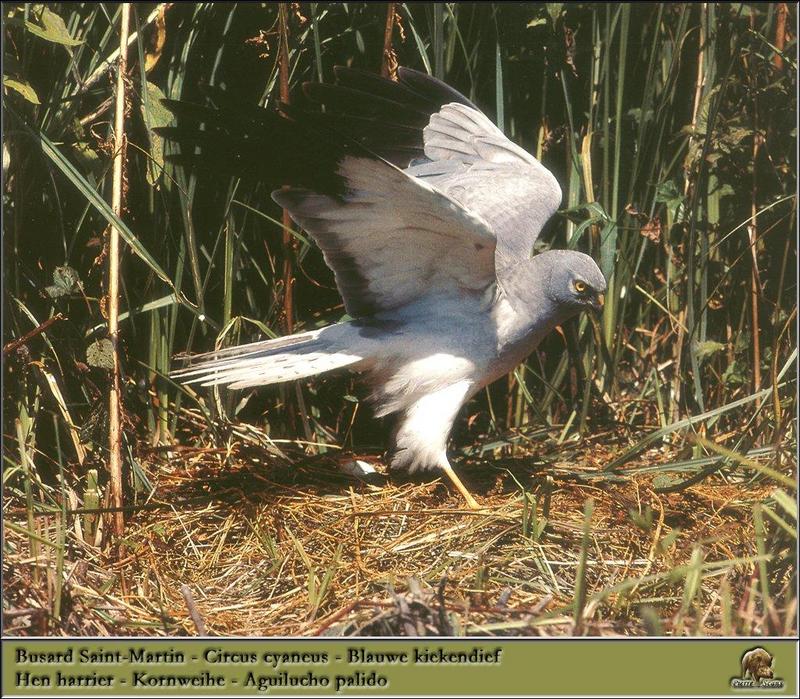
x=100, y=354
x=708, y=348
x=52, y=28
x=735, y=135
x=701, y=123
x=22, y=88
x=87, y=157
x=788, y=504
x=643, y=520
x=554, y=9
x=155, y=115
x=739, y=9
x=735, y=374
x=597, y=213
x=100, y=205
x=65, y=281
x=725, y=190
x=662, y=480
x=742, y=344
x=666, y=542
x=668, y=193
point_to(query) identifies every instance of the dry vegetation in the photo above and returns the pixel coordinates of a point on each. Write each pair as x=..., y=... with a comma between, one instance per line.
x=639, y=473
x=282, y=544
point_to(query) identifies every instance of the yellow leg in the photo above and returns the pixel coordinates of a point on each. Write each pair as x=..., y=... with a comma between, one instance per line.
x=451, y=474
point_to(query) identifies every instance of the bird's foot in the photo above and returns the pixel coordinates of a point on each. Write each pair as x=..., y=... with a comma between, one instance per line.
x=472, y=503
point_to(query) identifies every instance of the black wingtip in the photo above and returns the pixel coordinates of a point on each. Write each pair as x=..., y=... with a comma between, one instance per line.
x=431, y=87
x=300, y=144
x=277, y=146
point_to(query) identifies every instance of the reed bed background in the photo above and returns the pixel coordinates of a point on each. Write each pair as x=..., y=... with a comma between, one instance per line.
x=640, y=471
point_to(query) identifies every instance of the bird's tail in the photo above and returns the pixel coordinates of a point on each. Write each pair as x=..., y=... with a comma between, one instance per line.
x=271, y=361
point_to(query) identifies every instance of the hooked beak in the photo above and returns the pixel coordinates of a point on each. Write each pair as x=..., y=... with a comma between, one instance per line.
x=597, y=303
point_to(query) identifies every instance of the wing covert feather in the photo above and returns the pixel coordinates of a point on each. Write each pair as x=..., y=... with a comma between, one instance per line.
x=392, y=238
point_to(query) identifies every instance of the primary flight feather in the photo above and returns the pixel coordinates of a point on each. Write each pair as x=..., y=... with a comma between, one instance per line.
x=427, y=215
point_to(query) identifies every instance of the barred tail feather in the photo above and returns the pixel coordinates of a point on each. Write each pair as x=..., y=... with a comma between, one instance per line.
x=267, y=362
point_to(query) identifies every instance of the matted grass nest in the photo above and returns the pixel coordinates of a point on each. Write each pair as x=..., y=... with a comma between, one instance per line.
x=255, y=541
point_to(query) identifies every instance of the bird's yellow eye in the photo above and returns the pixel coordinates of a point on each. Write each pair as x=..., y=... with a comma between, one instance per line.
x=580, y=287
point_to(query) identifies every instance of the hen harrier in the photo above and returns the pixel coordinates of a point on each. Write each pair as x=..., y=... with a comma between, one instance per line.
x=427, y=215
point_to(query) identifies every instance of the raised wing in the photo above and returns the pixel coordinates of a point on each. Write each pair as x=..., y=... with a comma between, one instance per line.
x=494, y=178
x=421, y=124
x=390, y=238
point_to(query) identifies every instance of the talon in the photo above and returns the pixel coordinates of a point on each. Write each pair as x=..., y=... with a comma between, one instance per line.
x=472, y=503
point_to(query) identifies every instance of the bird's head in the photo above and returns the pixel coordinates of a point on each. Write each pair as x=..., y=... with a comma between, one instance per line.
x=576, y=282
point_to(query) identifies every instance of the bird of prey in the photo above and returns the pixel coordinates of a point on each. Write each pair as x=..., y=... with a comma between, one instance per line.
x=427, y=214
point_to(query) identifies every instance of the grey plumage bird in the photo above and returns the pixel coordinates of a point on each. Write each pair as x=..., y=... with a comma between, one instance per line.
x=427, y=214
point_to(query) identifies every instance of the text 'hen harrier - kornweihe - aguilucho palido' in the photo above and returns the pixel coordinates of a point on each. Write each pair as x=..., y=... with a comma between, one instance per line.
x=427, y=215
